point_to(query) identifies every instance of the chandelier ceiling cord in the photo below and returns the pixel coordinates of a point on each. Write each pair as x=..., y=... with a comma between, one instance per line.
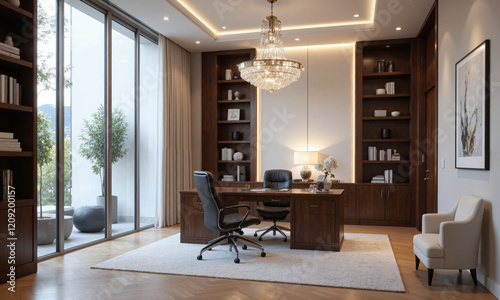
x=270, y=70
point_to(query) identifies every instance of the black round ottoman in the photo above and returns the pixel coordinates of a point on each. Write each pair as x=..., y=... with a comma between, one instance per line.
x=89, y=218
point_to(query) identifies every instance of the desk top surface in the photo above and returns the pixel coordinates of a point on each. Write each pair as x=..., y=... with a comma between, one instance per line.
x=290, y=192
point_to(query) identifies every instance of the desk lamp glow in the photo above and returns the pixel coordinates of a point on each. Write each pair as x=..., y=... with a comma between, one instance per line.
x=305, y=158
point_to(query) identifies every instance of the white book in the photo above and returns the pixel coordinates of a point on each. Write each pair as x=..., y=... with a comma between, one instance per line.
x=9, y=54
x=6, y=135
x=390, y=176
x=389, y=154
x=386, y=176
x=238, y=178
x=10, y=49
x=229, y=154
x=10, y=144
x=223, y=154
x=18, y=149
x=3, y=88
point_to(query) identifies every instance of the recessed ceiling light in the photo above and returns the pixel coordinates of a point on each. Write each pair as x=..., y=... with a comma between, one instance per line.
x=224, y=27
x=356, y=15
x=297, y=39
x=398, y=28
x=166, y=18
x=198, y=42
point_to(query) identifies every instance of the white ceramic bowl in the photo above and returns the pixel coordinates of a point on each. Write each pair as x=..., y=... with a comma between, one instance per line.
x=380, y=91
x=238, y=156
x=395, y=113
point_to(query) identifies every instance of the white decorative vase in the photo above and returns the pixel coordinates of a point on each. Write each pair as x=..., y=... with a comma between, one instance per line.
x=327, y=184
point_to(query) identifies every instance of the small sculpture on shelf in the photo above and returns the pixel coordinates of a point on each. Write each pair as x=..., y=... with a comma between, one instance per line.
x=8, y=41
x=16, y=3
x=237, y=95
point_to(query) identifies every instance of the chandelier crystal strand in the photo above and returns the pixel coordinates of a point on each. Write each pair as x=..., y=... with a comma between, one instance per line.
x=270, y=70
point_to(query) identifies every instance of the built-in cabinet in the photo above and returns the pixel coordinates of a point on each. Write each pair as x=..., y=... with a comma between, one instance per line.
x=18, y=212
x=225, y=113
x=390, y=65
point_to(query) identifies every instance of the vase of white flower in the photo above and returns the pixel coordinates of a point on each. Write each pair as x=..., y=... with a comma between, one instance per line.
x=327, y=167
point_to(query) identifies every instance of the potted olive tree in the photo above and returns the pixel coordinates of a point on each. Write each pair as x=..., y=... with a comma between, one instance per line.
x=92, y=147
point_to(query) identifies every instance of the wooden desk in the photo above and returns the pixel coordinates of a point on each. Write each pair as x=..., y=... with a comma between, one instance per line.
x=317, y=219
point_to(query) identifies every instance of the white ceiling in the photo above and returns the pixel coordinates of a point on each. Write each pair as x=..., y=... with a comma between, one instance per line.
x=319, y=22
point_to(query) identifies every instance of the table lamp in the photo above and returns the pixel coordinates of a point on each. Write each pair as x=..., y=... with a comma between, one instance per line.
x=305, y=158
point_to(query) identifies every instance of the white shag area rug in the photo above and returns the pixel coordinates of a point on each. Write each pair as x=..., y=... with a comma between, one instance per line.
x=366, y=261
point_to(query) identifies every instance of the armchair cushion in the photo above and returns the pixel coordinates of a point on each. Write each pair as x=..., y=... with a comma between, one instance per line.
x=428, y=245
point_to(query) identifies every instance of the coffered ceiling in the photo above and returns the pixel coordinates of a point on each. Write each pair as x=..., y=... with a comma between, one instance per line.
x=233, y=24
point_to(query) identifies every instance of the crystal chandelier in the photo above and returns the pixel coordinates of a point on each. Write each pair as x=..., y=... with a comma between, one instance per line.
x=270, y=70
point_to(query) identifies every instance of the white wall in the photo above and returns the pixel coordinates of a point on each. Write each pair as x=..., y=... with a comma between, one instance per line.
x=317, y=108
x=463, y=25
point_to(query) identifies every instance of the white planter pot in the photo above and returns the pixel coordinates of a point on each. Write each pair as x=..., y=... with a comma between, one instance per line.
x=46, y=230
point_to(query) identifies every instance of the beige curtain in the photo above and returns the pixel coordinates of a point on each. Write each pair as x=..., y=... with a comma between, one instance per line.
x=176, y=158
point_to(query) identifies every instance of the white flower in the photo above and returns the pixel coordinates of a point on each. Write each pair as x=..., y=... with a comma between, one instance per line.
x=327, y=166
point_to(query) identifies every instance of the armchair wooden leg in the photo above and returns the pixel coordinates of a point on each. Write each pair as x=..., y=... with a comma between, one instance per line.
x=417, y=262
x=430, y=273
x=474, y=276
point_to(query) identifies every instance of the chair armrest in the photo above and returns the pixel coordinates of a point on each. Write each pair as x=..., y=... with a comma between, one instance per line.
x=238, y=206
x=431, y=222
x=460, y=242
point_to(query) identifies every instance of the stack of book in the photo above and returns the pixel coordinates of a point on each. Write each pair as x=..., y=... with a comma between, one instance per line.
x=10, y=51
x=378, y=179
x=390, y=88
x=386, y=178
x=5, y=182
x=10, y=90
x=372, y=153
x=227, y=153
x=9, y=143
x=227, y=178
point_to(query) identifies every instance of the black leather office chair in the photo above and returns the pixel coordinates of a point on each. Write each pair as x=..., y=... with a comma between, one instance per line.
x=276, y=180
x=216, y=217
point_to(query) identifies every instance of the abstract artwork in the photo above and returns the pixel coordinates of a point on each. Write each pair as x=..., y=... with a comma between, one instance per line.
x=472, y=76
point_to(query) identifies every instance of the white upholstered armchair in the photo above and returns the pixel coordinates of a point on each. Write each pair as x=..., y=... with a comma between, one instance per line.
x=451, y=240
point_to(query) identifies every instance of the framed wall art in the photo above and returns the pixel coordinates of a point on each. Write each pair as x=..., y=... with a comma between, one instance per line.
x=472, y=100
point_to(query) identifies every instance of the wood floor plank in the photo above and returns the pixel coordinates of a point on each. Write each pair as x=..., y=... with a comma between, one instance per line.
x=70, y=277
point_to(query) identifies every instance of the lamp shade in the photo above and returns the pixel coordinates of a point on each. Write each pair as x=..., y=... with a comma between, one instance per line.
x=305, y=157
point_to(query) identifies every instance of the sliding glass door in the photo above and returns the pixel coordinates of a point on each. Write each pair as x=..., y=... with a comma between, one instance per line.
x=82, y=99
x=123, y=128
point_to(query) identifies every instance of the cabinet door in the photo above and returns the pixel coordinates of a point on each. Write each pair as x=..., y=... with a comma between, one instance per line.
x=398, y=203
x=350, y=203
x=372, y=202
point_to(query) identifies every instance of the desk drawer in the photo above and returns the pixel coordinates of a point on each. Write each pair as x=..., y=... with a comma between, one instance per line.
x=314, y=207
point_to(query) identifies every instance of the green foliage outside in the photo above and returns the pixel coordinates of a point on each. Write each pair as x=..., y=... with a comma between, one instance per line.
x=47, y=165
x=45, y=149
x=92, y=140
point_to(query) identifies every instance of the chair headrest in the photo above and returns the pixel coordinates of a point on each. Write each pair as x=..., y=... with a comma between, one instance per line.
x=468, y=206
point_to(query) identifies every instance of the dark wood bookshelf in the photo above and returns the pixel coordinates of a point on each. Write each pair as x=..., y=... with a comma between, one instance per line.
x=21, y=120
x=387, y=203
x=217, y=130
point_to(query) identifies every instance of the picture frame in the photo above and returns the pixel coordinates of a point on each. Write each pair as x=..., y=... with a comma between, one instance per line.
x=472, y=106
x=233, y=114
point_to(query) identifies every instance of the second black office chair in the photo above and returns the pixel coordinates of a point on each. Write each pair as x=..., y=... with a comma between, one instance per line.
x=275, y=211
x=217, y=217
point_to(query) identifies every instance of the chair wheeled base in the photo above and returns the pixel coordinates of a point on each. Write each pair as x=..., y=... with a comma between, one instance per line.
x=275, y=227
x=230, y=239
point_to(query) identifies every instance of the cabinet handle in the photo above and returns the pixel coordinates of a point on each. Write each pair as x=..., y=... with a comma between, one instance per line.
x=381, y=194
x=314, y=206
x=275, y=200
x=388, y=194
x=199, y=203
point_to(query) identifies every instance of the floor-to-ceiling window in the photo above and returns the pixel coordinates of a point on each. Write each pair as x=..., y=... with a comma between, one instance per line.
x=84, y=98
x=149, y=130
x=123, y=123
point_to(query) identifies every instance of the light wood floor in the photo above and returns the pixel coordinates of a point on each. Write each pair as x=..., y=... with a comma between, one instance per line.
x=70, y=277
